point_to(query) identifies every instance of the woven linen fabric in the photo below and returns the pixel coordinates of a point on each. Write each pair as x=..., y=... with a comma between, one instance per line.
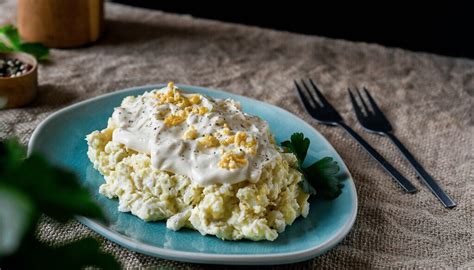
x=428, y=99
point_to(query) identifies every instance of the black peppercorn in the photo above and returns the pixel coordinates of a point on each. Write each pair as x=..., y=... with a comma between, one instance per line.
x=13, y=67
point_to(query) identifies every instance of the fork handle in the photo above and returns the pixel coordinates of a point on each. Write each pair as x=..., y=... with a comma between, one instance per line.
x=401, y=180
x=427, y=179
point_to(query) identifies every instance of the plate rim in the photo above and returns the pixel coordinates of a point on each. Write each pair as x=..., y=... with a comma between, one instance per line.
x=209, y=258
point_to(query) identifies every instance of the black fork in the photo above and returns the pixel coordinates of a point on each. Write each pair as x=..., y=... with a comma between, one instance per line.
x=320, y=109
x=372, y=119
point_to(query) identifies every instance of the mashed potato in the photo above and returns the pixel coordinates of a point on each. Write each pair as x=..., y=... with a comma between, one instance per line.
x=256, y=207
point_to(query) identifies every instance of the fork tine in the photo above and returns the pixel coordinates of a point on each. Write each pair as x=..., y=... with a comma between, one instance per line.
x=375, y=108
x=320, y=95
x=310, y=94
x=366, y=108
x=303, y=99
x=356, y=107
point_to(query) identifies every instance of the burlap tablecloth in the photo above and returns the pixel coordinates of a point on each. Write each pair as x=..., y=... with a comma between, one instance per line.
x=428, y=98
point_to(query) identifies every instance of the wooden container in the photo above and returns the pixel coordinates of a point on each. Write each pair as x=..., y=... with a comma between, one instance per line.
x=19, y=91
x=60, y=23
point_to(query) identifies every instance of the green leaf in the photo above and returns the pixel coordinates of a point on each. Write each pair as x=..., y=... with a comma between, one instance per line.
x=37, y=49
x=4, y=48
x=324, y=178
x=76, y=255
x=30, y=186
x=11, y=156
x=298, y=145
x=16, y=215
x=9, y=34
x=320, y=178
x=85, y=252
x=56, y=191
x=307, y=187
x=10, y=41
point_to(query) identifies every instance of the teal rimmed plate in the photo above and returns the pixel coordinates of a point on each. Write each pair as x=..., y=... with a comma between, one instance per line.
x=60, y=138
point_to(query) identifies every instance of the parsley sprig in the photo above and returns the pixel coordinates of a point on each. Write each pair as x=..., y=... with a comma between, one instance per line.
x=10, y=41
x=321, y=177
x=30, y=187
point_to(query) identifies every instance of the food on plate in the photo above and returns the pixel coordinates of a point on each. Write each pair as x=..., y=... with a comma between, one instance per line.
x=200, y=163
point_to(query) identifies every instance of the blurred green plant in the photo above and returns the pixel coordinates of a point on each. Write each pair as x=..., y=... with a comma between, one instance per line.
x=29, y=187
x=10, y=41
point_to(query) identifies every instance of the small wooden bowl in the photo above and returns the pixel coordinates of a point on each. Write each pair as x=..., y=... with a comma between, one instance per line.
x=21, y=90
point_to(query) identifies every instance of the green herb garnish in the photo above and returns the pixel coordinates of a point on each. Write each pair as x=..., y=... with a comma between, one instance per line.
x=30, y=187
x=320, y=178
x=10, y=42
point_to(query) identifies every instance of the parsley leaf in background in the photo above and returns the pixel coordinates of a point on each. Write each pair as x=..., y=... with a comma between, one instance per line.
x=10, y=33
x=3, y=47
x=16, y=208
x=38, y=50
x=30, y=187
x=10, y=41
x=320, y=178
x=55, y=191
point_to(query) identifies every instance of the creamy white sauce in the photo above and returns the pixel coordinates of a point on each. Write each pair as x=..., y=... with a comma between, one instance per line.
x=139, y=128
